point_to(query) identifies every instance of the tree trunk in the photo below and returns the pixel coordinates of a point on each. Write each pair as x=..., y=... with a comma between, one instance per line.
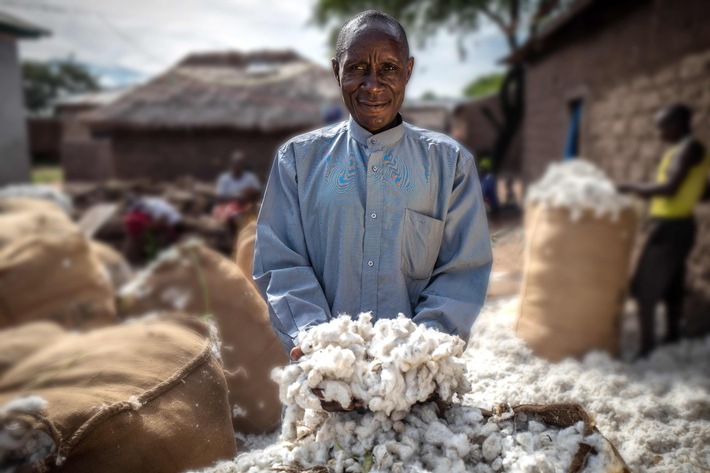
x=512, y=102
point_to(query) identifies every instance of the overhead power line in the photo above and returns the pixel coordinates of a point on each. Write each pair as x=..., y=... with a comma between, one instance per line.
x=64, y=10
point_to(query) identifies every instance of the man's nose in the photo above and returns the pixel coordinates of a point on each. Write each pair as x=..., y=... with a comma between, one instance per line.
x=372, y=83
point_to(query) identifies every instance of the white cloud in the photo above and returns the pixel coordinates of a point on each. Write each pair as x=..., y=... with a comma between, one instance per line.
x=150, y=35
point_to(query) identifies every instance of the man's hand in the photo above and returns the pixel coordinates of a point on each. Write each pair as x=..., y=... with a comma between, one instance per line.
x=296, y=353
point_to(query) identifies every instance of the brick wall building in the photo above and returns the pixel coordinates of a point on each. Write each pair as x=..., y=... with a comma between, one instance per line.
x=621, y=61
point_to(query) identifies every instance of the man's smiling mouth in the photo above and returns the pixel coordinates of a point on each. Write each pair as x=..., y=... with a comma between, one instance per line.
x=372, y=105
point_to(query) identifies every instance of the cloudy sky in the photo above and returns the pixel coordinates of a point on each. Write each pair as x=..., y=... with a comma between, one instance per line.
x=130, y=40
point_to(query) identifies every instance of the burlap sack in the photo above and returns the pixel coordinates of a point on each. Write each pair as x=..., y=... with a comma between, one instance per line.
x=114, y=263
x=55, y=277
x=147, y=396
x=574, y=282
x=192, y=278
x=244, y=250
x=563, y=416
x=21, y=217
x=18, y=343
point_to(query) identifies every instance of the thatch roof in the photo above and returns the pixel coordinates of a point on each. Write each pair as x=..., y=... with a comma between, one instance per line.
x=266, y=91
x=19, y=28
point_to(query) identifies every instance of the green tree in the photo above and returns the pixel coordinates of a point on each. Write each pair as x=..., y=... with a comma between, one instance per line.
x=484, y=85
x=44, y=82
x=429, y=95
x=515, y=19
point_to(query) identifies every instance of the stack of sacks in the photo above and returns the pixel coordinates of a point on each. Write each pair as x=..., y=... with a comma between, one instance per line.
x=47, y=269
x=143, y=396
x=394, y=367
x=194, y=279
x=579, y=234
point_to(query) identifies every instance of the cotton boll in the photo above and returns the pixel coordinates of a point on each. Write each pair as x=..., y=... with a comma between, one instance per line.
x=437, y=434
x=491, y=447
x=338, y=391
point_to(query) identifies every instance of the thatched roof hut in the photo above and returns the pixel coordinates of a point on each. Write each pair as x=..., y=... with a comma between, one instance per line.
x=188, y=120
x=265, y=91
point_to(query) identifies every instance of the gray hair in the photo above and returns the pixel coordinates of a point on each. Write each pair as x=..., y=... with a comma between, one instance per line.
x=372, y=17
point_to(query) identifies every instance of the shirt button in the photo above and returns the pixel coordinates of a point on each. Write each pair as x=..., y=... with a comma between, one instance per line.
x=373, y=141
x=374, y=168
x=373, y=215
x=370, y=263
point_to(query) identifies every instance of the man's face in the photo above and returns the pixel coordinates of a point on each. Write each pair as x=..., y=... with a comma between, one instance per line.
x=373, y=72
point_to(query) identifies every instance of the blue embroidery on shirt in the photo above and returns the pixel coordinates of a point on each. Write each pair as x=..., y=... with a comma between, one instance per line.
x=397, y=170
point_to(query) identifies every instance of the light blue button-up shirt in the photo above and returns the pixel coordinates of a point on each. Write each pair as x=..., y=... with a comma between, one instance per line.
x=389, y=223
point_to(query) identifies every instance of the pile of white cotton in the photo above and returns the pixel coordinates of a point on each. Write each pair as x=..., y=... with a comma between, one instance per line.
x=388, y=366
x=400, y=433
x=459, y=440
x=579, y=186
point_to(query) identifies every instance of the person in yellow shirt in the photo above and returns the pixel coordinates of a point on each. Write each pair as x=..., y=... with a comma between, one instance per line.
x=680, y=183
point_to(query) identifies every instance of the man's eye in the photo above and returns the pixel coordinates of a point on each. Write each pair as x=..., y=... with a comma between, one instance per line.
x=357, y=67
x=390, y=67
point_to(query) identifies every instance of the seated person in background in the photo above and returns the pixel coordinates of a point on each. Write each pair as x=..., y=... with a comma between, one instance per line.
x=680, y=184
x=237, y=191
x=152, y=224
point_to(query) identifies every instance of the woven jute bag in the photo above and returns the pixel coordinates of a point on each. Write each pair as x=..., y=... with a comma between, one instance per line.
x=18, y=343
x=244, y=251
x=199, y=281
x=118, y=269
x=54, y=277
x=575, y=280
x=146, y=396
x=22, y=216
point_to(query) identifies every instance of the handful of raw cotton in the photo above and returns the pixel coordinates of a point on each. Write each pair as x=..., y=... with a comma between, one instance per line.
x=388, y=366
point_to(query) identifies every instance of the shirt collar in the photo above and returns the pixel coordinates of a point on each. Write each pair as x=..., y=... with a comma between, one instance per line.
x=380, y=140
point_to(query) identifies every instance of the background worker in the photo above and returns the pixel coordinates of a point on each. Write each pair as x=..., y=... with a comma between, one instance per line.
x=237, y=191
x=680, y=183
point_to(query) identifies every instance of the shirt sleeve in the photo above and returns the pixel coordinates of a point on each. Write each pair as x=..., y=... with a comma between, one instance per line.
x=282, y=268
x=457, y=289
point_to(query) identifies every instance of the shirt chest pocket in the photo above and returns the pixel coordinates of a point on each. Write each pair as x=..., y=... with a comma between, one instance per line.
x=421, y=241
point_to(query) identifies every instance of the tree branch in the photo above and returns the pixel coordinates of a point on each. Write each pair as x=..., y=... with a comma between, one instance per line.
x=501, y=24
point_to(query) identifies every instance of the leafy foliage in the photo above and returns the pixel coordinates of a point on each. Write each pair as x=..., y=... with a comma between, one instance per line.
x=426, y=17
x=44, y=82
x=484, y=85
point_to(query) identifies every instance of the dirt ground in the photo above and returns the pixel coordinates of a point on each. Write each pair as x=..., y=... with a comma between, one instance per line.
x=508, y=243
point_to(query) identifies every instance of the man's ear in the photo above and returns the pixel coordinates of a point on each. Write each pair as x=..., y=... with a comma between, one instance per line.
x=410, y=67
x=336, y=69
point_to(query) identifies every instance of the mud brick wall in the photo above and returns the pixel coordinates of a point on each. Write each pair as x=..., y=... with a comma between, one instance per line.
x=203, y=154
x=624, y=61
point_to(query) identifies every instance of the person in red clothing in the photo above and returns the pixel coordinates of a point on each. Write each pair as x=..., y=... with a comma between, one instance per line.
x=151, y=225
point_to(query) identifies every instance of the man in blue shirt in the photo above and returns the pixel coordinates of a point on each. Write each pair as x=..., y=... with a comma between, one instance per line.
x=372, y=214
